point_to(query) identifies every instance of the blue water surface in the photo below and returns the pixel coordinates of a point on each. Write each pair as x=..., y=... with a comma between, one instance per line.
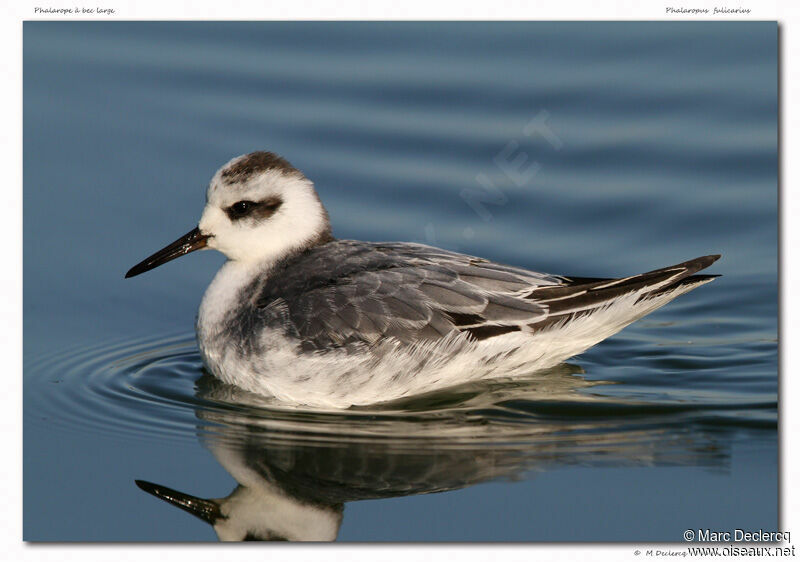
x=588, y=149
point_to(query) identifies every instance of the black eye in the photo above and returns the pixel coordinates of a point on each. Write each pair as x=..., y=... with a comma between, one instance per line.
x=240, y=209
x=258, y=210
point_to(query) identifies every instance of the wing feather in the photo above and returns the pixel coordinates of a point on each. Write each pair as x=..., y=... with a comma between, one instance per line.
x=348, y=292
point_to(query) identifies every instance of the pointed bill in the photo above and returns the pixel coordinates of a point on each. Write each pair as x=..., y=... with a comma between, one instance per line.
x=189, y=242
x=207, y=510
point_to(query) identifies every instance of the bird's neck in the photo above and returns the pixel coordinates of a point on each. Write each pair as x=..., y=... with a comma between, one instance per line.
x=225, y=294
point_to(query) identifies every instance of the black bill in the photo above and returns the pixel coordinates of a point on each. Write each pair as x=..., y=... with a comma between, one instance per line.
x=189, y=242
x=207, y=510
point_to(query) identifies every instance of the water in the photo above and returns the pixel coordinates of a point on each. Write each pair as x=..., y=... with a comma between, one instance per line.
x=653, y=143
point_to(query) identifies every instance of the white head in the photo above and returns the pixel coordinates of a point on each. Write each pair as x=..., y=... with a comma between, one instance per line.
x=259, y=208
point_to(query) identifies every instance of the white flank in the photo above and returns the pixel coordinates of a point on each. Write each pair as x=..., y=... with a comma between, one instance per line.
x=388, y=371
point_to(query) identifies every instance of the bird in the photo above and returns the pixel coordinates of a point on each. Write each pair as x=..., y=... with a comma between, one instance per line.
x=315, y=321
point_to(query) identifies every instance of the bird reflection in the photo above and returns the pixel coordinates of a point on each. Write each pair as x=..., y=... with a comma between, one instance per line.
x=296, y=469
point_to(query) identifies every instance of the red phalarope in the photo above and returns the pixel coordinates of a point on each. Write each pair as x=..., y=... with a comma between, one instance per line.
x=309, y=319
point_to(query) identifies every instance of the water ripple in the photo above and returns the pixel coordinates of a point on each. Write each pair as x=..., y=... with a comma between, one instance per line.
x=156, y=388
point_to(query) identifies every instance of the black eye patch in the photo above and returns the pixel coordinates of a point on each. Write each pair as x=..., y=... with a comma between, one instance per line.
x=254, y=209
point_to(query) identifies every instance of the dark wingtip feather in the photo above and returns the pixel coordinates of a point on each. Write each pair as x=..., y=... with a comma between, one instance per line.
x=697, y=263
x=691, y=267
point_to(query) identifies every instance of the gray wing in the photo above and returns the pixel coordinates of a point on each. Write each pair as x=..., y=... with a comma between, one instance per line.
x=355, y=292
x=349, y=292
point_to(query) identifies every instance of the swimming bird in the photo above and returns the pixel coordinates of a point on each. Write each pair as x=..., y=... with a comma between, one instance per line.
x=299, y=315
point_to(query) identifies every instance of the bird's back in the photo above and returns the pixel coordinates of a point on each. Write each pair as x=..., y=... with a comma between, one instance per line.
x=348, y=292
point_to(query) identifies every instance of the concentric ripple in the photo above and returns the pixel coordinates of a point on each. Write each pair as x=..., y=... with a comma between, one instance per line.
x=137, y=388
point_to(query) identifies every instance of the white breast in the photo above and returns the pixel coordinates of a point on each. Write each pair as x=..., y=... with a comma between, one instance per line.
x=221, y=297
